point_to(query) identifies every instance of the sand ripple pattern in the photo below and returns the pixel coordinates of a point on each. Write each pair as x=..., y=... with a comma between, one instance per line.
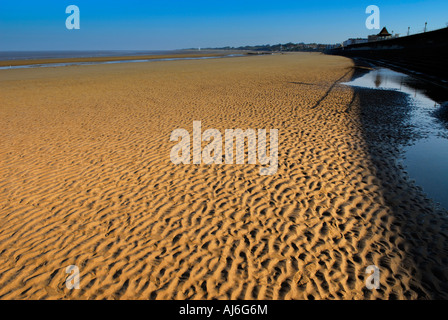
x=86, y=180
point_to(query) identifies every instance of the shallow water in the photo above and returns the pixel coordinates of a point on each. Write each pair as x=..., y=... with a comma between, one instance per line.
x=54, y=54
x=426, y=160
x=48, y=65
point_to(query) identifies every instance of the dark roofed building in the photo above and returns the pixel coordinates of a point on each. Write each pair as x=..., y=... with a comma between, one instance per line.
x=383, y=35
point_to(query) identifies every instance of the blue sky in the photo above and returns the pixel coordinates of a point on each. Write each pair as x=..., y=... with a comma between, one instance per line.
x=169, y=24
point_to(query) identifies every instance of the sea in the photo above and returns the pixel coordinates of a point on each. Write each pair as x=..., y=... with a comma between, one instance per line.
x=31, y=55
x=28, y=55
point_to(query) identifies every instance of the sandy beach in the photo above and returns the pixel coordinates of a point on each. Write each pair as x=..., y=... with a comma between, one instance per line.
x=86, y=180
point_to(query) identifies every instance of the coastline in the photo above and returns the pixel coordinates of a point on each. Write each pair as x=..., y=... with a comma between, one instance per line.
x=26, y=62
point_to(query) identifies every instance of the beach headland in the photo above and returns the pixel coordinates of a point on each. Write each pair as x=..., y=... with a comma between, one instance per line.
x=87, y=181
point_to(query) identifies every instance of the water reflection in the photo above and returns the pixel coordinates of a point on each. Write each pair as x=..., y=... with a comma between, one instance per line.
x=426, y=161
x=378, y=80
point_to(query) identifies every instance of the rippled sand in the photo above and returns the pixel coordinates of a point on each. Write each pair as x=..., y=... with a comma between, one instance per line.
x=86, y=179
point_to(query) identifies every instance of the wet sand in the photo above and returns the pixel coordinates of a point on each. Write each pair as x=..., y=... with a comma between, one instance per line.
x=86, y=180
x=12, y=63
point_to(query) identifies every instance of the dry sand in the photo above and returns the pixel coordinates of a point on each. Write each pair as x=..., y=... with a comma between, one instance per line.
x=86, y=180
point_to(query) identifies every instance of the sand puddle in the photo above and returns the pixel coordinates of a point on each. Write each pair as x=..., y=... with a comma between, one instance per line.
x=425, y=160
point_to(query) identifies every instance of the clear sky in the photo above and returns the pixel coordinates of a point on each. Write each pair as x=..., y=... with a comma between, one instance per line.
x=176, y=24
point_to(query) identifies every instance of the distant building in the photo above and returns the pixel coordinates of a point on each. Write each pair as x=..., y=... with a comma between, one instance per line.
x=333, y=46
x=354, y=41
x=383, y=35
